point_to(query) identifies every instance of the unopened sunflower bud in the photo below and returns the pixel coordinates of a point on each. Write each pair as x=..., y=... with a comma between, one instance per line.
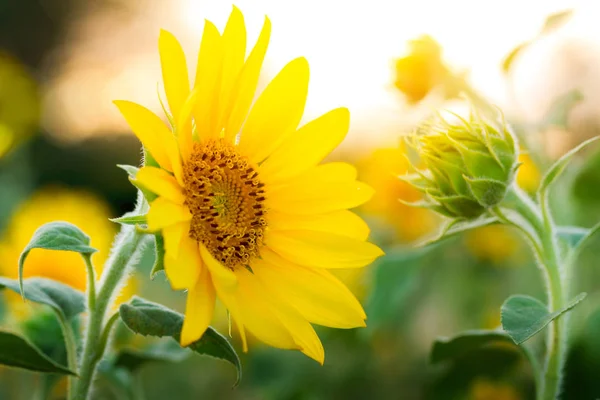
x=469, y=165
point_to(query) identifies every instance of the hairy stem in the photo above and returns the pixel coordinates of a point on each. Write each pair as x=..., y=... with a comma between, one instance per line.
x=124, y=250
x=550, y=259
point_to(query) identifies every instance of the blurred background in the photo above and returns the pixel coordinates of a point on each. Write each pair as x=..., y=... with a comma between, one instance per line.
x=393, y=63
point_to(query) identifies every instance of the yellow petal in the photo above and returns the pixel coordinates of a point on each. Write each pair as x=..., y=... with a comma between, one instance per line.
x=322, y=250
x=234, y=42
x=152, y=132
x=184, y=126
x=164, y=213
x=228, y=297
x=322, y=189
x=174, y=72
x=308, y=146
x=257, y=313
x=302, y=332
x=199, y=309
x=333, y=172
x=277, y=111
x=207, y=83
x=161, y=183
x=317, y=295
x=245, y=87
x=342, y=222
x=221, y=275
x=173, y=234
x=183, y=270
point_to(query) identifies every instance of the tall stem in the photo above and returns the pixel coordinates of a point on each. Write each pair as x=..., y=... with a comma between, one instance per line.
x=551, y=261
x=125, y=247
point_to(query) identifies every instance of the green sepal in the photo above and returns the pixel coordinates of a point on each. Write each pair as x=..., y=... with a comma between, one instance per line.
x=159, y=255
x=17, y=351
x=130, y=169
x=460, y=206
x=131, y=219
x=152, y=319
x=488, y=192
x=428, y=205
x=56, y=236
x=524, y=316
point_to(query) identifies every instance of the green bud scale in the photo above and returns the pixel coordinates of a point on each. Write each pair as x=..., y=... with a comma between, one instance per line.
x=468, y=165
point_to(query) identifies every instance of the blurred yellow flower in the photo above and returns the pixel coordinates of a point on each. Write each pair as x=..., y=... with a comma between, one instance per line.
x=83, y=209
x=247, y=213
x=421, y=69
x=19, y=104
x=528, y=174
x=380, y=170
x=493, y=243
x=483, y=389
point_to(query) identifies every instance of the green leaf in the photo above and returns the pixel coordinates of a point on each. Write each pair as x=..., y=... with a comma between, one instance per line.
x=555, y=20
x=457, y=226
x=159, y=256
x=512, y=56
x=16, y=351
x=445, y=348
x=524, y=316
x=132, y=359
x=152, y=319
x=559, y=166
x=131, y=219
x=56, y=236
x=62, y=298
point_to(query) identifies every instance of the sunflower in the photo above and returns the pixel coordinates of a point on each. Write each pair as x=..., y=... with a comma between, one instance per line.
x=247, y=213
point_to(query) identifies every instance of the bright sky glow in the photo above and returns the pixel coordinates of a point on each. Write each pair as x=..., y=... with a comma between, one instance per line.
x=350, y=46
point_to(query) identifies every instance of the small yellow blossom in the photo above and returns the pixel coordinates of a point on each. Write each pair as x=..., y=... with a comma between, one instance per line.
x=421, y=70
x=247, y=212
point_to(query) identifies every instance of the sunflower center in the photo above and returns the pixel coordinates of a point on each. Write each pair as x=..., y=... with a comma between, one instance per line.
x=227, y=202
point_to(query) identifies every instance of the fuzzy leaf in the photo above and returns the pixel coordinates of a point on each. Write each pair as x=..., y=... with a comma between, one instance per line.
x=151, y=319
x=559, y=166
x=56, y=236
x=62, y=298
x=16, y=351
x=445, y=348
x=524, y=316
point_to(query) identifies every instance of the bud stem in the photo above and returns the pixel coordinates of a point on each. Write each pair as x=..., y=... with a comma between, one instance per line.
x=544, y=240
